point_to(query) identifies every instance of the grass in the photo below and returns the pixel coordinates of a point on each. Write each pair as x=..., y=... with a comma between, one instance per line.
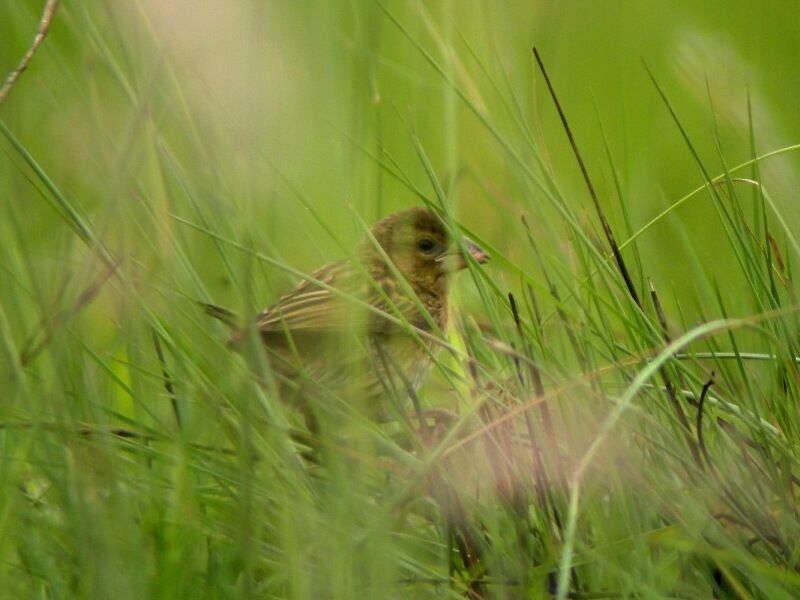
x=615, y=439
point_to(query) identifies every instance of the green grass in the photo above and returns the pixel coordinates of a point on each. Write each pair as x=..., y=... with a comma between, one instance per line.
x=155, y=154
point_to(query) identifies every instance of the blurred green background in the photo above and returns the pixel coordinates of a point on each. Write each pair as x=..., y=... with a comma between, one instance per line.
x=188, y=135
x=253, y=104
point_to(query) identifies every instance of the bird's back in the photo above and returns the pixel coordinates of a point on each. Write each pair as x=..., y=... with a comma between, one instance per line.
x=341, y=332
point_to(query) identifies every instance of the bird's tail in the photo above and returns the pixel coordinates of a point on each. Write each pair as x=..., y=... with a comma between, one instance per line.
x=223, y=314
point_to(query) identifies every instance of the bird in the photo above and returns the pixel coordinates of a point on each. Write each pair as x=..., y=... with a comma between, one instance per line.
x=364, y=328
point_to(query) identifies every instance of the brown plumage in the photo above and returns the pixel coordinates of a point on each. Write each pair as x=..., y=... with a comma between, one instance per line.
x=347, y=332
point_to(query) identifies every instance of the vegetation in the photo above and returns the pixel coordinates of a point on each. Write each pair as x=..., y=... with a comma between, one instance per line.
x=624, y=371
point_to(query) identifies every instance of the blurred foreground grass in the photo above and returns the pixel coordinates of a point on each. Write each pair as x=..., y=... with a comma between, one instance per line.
x=155, y=153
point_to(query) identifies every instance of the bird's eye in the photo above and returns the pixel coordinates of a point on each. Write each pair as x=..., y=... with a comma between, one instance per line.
x=425, y=245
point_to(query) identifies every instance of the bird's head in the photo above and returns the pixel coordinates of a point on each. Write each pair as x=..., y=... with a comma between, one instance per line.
x=418, y=244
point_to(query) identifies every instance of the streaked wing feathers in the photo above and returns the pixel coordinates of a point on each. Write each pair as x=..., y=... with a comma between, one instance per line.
x=313, y=308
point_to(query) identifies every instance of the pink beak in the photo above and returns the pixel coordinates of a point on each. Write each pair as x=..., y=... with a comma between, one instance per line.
x=455, y=260
x=479, y=254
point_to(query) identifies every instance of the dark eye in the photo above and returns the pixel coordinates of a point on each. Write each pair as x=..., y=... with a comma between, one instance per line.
x=426, y=245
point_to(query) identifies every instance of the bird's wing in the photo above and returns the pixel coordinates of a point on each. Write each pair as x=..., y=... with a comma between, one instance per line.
x=319, y=305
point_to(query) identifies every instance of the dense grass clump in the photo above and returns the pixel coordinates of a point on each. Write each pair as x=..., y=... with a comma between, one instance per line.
x=618, y=389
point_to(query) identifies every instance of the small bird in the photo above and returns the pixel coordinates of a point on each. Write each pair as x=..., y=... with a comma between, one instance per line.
x=349, y=330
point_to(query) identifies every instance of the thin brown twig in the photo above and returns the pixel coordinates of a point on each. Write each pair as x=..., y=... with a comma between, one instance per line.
x=542, y=488
x=623, y=269
x=90, y=431
x=671, y=393
x=165, y=373
x=699, y=426
x=41, y=33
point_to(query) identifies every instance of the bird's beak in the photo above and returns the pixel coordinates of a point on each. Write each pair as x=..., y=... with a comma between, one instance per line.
x=456, y=260
x=479, y=254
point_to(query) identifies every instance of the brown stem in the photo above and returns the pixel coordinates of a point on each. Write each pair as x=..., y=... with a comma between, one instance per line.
x=623, y=269
x=671, y=393
x=44, y=26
